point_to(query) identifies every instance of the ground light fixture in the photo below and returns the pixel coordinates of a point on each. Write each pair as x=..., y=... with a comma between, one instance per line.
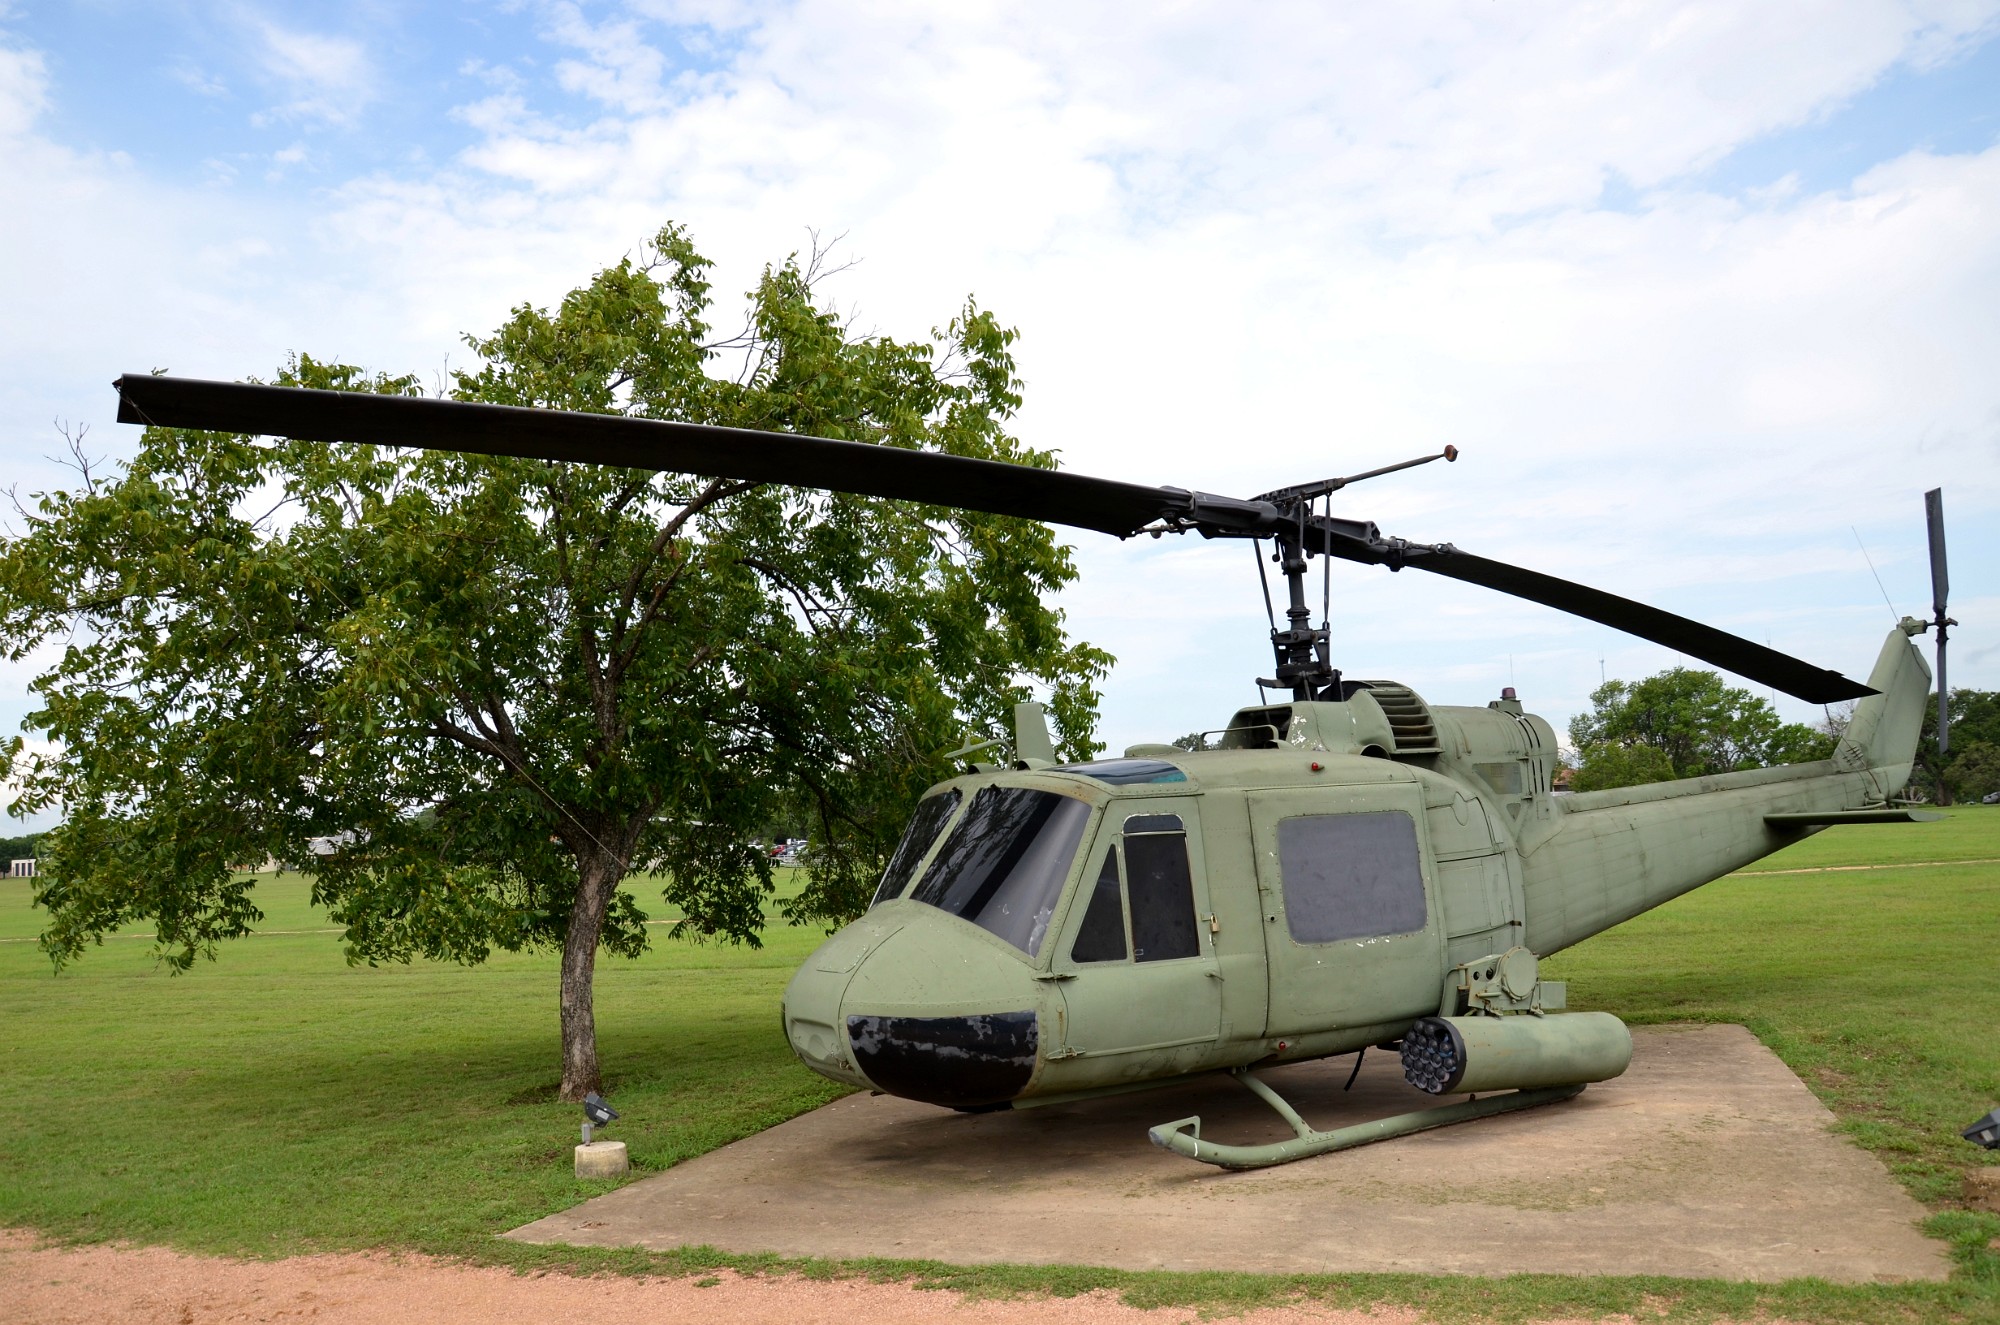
x=597, y=1112
x=1985, y=1132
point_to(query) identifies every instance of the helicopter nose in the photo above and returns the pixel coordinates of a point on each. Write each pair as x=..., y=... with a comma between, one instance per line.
x=940, y=1013
x=812, y=999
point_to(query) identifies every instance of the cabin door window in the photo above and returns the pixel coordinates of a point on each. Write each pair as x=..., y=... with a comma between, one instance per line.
x=1140, y=970
x=1351, y=934
x=1350, y=876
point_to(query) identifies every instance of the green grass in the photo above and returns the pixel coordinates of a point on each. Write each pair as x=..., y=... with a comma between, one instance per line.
x=1877, y=986
x=1968, y=832
x=279, y=1101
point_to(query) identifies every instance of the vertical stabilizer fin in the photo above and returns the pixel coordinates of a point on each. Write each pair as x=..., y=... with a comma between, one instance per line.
x=1887, y=725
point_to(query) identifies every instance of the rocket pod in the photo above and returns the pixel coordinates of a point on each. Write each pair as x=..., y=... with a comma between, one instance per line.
x=1449, y=1055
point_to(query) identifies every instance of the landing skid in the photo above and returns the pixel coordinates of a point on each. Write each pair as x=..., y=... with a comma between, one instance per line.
x=1183, y=1137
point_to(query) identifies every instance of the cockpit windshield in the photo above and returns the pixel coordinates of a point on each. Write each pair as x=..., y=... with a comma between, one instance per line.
x=1003, y=866
x=929, y=820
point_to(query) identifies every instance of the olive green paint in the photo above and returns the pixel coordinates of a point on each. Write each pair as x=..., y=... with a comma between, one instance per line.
x=1507, y=864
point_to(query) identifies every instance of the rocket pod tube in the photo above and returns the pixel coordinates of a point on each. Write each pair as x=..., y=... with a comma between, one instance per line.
x=1449, y=1055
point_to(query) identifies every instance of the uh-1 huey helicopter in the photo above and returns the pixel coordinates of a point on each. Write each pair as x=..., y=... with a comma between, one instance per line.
x=1347, y=867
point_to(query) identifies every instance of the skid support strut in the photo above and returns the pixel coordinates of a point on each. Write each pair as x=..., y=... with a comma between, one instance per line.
x=1183, y=1137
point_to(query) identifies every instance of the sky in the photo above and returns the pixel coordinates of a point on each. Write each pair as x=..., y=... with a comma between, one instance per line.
x=1705, y=294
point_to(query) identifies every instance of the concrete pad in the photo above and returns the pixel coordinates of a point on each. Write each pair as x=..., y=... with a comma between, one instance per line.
x=1708, y=1158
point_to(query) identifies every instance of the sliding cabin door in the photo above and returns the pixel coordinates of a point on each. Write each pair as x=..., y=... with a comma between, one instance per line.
x=1350, y=917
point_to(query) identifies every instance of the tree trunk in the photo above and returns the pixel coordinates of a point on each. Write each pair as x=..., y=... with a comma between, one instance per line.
x=597, y=876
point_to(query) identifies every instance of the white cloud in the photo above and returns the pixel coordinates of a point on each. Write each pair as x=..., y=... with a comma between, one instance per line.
x=496, y=75
x=24, y=89
x=1247, y=246
x=318, y=78
x=197, y=81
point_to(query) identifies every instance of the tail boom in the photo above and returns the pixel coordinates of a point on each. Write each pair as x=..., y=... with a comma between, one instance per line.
x=1611, y=855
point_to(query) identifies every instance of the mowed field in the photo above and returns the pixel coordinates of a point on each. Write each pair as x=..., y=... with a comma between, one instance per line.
x=279, y=1100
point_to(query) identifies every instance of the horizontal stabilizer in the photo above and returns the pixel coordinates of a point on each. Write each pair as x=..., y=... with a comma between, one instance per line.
x=1879, y=814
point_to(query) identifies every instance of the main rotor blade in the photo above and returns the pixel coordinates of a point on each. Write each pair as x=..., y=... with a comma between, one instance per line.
x=610, y=439
x=1079, y=500
x=1363, y=542
x=1730, y=652
x=1940, y=577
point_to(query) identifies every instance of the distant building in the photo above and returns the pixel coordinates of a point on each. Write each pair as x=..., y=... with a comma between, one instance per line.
x=21, y=869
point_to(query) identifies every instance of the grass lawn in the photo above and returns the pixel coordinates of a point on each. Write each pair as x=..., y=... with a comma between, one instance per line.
x=279, y=1101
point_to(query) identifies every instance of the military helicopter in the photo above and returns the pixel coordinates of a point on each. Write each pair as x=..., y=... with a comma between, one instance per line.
x=1350, y=866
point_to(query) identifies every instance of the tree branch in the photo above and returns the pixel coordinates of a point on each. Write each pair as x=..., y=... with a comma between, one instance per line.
x=808, y=604
x=716, y=491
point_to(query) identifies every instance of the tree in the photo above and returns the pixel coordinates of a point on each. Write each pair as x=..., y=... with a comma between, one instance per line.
x=1612, y=764
x=1695, y=723
x=1974, y=771
x=1975, y=717
x=502, y=686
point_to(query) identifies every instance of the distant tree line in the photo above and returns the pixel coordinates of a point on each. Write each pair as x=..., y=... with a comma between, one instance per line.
x=18, y=848
x=1972, y=770
x=1686, y=723
x=1683, y=723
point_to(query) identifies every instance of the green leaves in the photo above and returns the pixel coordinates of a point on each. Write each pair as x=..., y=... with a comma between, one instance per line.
x=1609, y=764
x=1965, y=771
x=451, y=687
x=1683, y=723
x=1974, y=771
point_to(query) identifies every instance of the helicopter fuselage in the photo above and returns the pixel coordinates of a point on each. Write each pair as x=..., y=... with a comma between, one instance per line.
x=1307, y=889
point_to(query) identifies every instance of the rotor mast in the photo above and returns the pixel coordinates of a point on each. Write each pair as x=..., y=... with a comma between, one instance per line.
x=1303, y=651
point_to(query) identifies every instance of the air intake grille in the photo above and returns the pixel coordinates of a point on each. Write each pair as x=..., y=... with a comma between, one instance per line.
x=1409, y=718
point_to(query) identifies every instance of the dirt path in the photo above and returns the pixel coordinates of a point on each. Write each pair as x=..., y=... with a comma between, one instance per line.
x=151, y=1286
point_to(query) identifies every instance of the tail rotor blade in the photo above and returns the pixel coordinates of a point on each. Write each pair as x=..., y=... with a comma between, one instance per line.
x=1940, y=577
x=1940, y=592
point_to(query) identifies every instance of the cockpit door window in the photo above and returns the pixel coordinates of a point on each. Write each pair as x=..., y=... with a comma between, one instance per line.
x=1156, y=903
x=1102, y=936
x=933, y=812
x=1137, y=969
x=1161, y=889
